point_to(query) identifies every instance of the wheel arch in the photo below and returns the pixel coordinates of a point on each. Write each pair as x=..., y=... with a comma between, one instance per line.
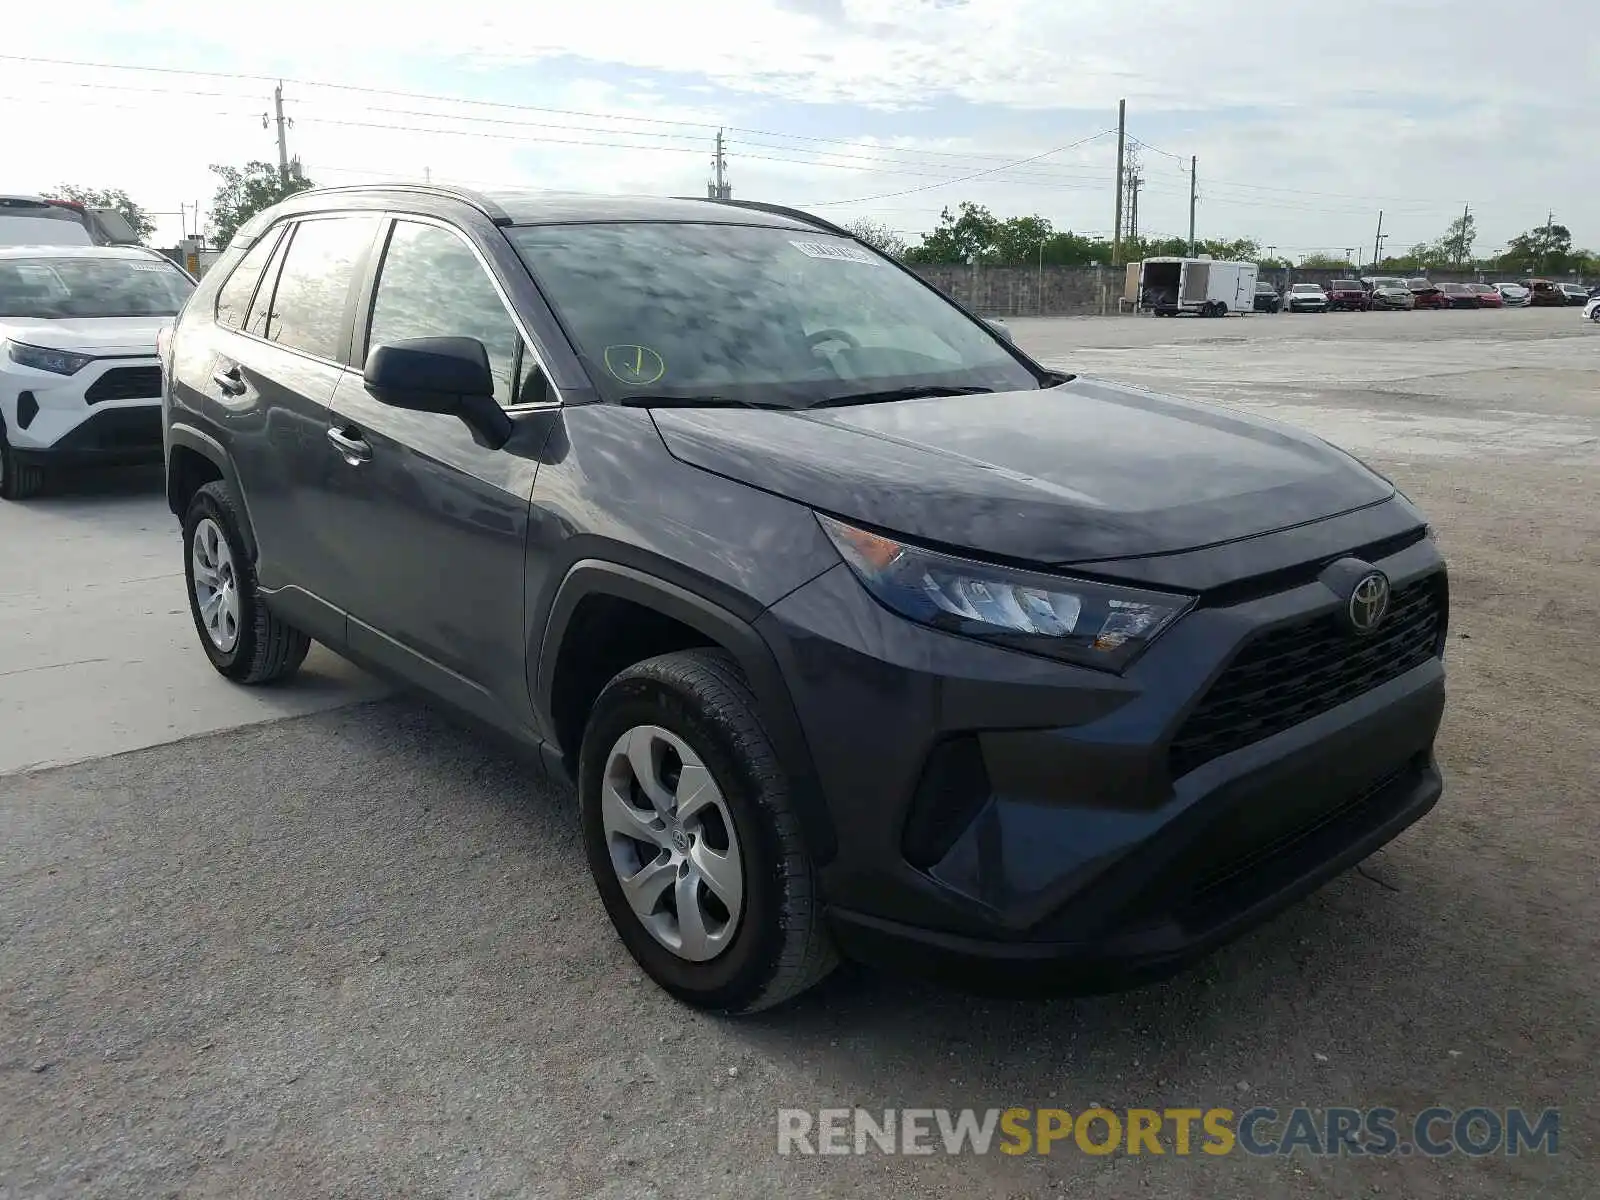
x=592, y=579
x=195, y=458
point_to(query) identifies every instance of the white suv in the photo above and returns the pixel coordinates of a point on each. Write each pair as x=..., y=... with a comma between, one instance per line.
x=80, y=381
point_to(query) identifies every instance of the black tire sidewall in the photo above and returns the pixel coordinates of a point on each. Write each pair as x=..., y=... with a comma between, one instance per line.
x=737, y=977
x=233, y=663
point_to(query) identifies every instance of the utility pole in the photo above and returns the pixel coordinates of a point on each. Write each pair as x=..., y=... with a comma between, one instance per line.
x=427, y=174
x=1544, y=251
x=719, y=188
x=283, y=142
x=1377, y=241
x=1116, y=228
x=1193, y=161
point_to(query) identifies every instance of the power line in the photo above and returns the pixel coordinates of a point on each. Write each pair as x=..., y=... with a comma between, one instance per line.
x=964, y=178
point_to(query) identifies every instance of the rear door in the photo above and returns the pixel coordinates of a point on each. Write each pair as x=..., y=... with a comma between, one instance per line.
x=434, y=526
x=274, y=376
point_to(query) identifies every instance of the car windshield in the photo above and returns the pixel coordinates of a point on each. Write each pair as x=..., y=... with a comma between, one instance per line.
x=90, y=287
x=1346, y=285
x=1307, y=287
x=1480, y=287
x=755, y=315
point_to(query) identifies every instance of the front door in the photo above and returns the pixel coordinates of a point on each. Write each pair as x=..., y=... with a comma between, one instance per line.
x=434, y=526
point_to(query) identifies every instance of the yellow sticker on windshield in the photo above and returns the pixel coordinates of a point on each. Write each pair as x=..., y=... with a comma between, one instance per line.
x=635, y=365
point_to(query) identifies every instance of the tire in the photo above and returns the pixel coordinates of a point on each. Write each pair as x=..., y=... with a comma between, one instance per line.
x=774, y=942
x=18, y=480
x=262, y=649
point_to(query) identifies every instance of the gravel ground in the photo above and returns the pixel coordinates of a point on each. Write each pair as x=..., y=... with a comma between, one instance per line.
x=357, y=952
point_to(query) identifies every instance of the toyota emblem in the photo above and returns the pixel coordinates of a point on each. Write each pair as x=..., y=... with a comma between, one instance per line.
x=1369, y=602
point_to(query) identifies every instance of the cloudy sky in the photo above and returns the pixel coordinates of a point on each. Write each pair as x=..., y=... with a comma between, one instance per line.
x=1306, y=118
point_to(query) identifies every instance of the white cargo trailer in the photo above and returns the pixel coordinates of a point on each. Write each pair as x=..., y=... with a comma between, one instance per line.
x=1204, y=286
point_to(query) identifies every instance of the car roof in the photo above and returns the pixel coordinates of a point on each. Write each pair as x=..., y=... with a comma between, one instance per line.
x=528, y=206
x=50, y=250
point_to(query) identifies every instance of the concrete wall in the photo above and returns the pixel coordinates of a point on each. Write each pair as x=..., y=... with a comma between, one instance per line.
x=1025, y=292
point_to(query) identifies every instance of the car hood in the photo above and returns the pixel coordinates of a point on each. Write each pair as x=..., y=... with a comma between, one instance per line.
x=1085, y=470
x=87, y=335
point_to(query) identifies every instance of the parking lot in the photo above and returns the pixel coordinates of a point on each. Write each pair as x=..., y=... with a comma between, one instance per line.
x=319, y=940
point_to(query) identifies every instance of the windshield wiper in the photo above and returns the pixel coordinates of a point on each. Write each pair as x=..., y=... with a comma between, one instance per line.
x=889, y=395
x=646, y=400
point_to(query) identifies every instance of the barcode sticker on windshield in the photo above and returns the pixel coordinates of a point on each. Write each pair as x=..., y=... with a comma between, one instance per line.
x=838, y=251
x=146, y=267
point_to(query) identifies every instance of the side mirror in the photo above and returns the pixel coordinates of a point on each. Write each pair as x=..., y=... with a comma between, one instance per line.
x=440, y=375
x=1001, y=328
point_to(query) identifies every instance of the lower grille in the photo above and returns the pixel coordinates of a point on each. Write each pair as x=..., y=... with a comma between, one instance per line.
x=1248, y=858
x=126, y=383
x=1298, y=671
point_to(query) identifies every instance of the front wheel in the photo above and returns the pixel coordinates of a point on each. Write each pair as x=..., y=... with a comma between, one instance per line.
x=242, y=638
x=18, y=480
x=692, y=838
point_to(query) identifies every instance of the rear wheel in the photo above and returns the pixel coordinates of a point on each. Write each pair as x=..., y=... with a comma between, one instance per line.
x=244, y=641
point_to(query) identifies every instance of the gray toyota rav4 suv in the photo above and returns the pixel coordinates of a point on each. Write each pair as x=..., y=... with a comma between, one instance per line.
x=859, y=630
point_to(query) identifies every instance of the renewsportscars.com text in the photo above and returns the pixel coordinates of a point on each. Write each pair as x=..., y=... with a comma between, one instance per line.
x=1378, y=1132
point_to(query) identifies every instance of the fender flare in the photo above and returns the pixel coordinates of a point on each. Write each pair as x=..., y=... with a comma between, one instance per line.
x=739, y=637
x=212, y=450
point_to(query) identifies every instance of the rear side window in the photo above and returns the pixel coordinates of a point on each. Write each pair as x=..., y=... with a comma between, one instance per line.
x=314, y=285
x=233, y=298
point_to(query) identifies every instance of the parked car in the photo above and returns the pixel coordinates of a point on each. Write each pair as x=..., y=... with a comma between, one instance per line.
x=36, y=221
x=1545, y=293
x=1425, y=295
x=1348, y=295
x=1575, y=293
x=1488, y=296
x=1591, y=309
x=1267, y=298
x=1389, y=293
x=655, y=486
x=1305, y=297
x=1514, y=294
x=79, y=378
x=1458, y=295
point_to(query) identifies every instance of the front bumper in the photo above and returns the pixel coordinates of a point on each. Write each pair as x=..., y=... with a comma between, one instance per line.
x=111, y=436
x=1073, y=852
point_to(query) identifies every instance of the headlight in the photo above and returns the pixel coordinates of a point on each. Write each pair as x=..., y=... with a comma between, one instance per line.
x=1095, y=624
x=57, y=362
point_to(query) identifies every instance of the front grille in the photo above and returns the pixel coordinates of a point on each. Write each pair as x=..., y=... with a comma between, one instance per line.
x=1298, y=671
x=126, y=383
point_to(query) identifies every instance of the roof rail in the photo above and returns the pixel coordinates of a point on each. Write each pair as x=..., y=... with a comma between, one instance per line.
x=477, y=199
x=780, y=210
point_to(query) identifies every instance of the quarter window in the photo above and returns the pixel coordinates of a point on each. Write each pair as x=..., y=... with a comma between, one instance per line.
x=432, y=285
x=314, y=285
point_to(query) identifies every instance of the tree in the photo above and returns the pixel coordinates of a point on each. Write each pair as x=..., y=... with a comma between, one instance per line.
x=140, y=221
x=247, y=191
x=1456, y=244
x=1542, y=248
x=1324, y=262
x=959, y=238
x=879, y=236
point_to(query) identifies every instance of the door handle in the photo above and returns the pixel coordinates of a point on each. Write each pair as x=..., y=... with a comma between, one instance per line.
x=351, y=446
x=230, y=381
